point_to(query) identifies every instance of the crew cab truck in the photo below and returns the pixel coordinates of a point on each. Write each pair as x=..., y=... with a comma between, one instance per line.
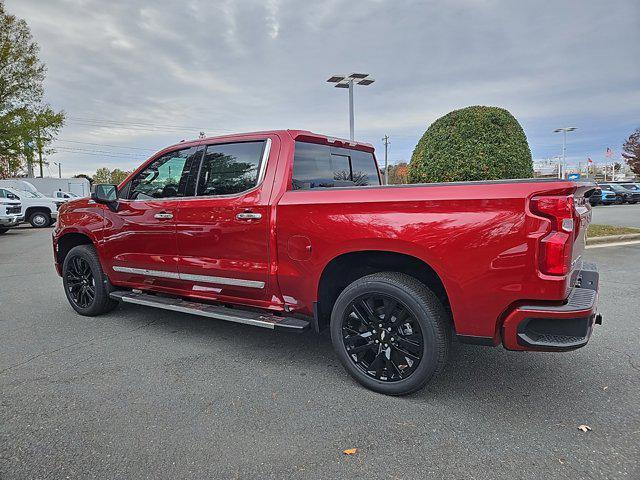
x=10, y=208
x=291, y=230
x=38, y=210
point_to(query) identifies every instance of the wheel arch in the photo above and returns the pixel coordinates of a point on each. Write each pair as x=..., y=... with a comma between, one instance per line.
x=347, y=267
x=31, y=210
x=68, y=241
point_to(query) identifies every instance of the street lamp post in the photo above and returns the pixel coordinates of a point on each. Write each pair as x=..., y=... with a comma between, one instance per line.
x=564, y=130
x=347, y=81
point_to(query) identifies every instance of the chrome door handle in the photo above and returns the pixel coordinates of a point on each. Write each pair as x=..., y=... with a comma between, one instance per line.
x=163, y=216
x=249, y=216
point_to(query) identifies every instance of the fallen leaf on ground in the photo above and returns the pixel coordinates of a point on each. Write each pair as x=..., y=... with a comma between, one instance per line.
x=350, y=451
x=584, y=428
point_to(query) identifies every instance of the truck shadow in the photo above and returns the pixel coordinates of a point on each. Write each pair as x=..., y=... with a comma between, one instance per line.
x=492, y=377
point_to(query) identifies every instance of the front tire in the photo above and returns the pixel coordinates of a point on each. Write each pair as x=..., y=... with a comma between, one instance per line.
x=390, y=332
x=86, y=286
x=40, y=219
x=3, y=230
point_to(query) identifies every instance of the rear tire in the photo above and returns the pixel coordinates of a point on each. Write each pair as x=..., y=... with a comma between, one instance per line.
x=410, y=348
x=86, y=286
x=40, y=219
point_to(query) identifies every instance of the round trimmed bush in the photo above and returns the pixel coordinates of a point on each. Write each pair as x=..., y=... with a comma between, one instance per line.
x=473, y=143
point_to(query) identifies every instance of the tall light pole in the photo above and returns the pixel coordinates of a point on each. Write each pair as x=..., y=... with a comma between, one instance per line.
x=347, y=81
x=564, y=130
x=59, y=168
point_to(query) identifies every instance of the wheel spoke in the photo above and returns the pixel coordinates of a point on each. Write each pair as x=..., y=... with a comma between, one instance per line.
x=409, y=344
x=364, y=313
x=407, y=354
x=390, y=306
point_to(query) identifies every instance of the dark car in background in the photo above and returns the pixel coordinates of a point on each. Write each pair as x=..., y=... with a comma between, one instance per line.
x=596, y=197
x=634, y=188
x=616, y=193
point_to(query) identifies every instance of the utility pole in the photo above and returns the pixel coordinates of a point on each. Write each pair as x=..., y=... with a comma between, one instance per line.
x=59, y=169
x=39, y=145
x=385, y=139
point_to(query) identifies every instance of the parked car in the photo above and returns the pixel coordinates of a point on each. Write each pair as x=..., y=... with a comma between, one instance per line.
x=610, y=197
x=622, y=194
x=10, y=208
x=634, y=188
x=596, y=197
x=290, y=230
x=38, y=210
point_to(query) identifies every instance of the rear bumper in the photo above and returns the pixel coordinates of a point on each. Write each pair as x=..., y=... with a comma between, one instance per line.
x=556, y=327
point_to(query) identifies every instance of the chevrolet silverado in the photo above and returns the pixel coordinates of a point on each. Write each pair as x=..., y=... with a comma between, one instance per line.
x=291, y=230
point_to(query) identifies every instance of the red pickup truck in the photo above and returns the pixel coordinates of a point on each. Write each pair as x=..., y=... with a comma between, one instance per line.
x=291, y=230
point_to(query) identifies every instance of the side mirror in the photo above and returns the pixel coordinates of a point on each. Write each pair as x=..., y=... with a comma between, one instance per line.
x=107, y=194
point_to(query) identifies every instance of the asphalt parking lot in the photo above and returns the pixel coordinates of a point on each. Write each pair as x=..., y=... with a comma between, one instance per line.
x=620, y=215
x=142, y=393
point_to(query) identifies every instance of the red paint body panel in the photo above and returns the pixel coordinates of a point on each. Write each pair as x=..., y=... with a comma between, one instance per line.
x=481, y=238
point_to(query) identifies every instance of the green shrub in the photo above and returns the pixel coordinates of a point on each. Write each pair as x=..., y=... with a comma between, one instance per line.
x=473, y=143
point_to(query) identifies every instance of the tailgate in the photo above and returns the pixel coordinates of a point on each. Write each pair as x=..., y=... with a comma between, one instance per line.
x=581, y=223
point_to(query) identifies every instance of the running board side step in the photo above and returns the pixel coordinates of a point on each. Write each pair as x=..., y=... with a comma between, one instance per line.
x=237, y=315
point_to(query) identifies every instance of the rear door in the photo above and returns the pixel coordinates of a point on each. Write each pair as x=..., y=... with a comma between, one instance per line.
x=140, y=237
x=223, y=231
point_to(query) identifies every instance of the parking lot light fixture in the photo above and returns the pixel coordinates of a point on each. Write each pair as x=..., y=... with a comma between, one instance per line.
x=347, y=81
x=564, y=130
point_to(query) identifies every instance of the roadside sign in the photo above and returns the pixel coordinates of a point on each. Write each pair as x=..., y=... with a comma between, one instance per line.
x=573, y=176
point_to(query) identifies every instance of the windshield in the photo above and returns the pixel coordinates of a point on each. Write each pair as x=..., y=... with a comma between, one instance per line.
x=617, y=188
x=27, y=194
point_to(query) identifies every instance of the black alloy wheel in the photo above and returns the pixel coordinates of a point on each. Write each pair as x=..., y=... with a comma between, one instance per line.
x=382, y=337
x=86, y=286
x=390, y=332
x=80, y=282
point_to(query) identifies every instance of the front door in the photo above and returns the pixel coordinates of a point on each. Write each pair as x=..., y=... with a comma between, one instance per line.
x=140, y=237
x=223, y=231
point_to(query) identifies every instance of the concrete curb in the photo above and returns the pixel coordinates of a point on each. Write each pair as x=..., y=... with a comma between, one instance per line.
x=613, y=238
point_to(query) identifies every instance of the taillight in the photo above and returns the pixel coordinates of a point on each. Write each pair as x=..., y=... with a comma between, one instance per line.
x=556, y=247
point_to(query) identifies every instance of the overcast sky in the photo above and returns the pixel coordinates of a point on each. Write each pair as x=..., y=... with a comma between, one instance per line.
x=141, y=75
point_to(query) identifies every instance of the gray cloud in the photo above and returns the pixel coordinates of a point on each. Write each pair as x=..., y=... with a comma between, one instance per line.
x=242, y=65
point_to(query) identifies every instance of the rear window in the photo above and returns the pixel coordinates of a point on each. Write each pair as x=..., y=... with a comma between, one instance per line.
x=322, y=166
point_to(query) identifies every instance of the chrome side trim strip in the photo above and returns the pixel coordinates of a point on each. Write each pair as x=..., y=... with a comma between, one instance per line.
x=222, y=280
x=148, y=273
x=237, y=282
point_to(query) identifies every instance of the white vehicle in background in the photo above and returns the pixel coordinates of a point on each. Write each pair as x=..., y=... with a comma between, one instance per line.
x=38, y=210
x=65, y=196
x=10, y=211
x=48, y=186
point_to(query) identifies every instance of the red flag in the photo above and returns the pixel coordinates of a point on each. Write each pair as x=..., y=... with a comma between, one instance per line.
x=609, y=153
x=589, y=160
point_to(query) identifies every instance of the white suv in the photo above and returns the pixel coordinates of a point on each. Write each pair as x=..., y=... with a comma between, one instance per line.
x=38, y=210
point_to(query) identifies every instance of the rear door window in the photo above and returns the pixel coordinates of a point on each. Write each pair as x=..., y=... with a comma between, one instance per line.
x=230, y=168
x=322, y=166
